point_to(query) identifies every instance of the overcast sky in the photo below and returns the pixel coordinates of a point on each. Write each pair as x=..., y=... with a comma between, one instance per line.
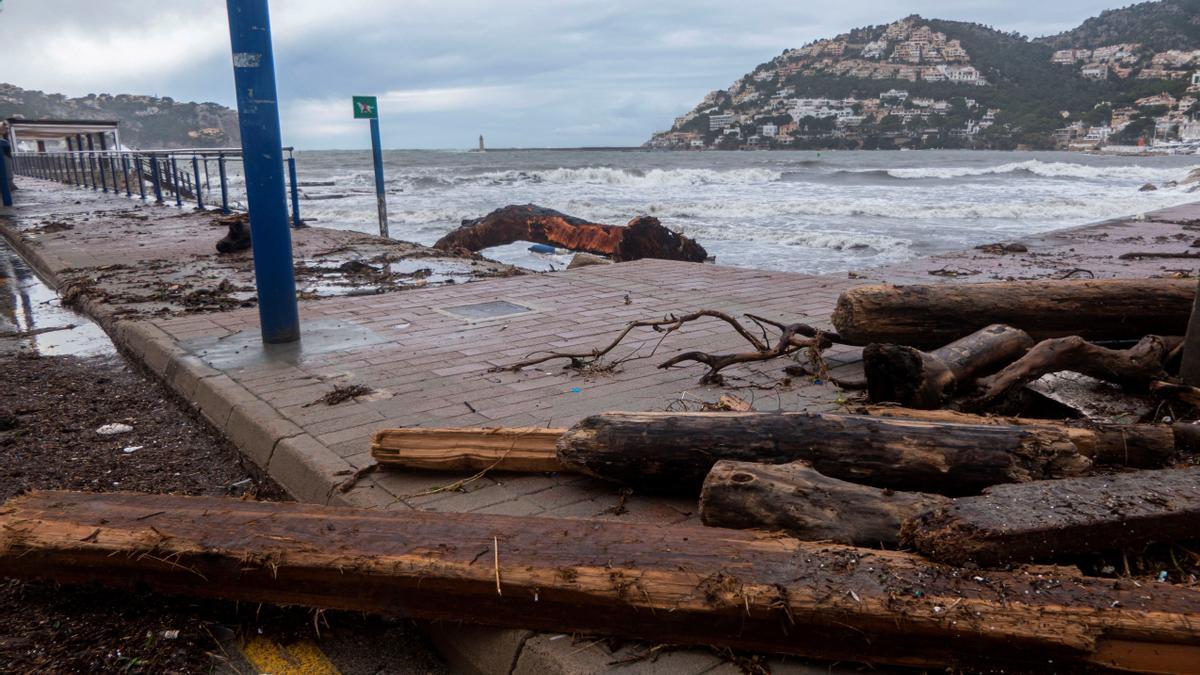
x=521, y=72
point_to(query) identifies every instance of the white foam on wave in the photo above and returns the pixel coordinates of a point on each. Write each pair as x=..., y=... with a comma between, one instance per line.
x=1047, y=170
x=635, y=178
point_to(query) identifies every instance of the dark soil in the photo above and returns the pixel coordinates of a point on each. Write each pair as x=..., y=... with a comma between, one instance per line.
x=50, y=408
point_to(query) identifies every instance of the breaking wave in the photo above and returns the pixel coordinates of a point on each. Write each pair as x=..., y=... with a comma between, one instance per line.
x=633, y=177
x=1039, y=168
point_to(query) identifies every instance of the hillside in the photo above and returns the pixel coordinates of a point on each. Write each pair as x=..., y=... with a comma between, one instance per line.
x=146, y=121
x=1171, y=24
x=931, y=83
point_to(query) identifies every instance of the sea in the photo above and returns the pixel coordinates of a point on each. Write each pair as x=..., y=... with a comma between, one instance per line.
x=815, y=212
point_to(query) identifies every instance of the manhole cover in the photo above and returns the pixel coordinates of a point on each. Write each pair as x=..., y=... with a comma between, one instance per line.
x=488, y=310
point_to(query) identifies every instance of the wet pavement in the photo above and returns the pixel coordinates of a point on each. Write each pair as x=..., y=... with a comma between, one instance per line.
x=33, y=318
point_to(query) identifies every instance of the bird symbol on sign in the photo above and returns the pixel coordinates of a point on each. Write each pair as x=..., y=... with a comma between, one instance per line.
x=365, y=108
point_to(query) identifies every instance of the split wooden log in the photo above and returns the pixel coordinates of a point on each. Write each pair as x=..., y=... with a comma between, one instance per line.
x=918, y=379
x=642, y=237
x=928, y=316
x=661, y=583
x=1043, y=520
x=799, y=500
x=520, y=449
x=673, y=452
x=1137, y=446
x=1137, y=366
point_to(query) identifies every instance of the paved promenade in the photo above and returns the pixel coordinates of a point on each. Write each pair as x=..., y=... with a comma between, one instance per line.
x=426, y=352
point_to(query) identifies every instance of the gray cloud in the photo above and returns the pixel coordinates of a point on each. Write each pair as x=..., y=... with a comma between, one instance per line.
x=522, y=72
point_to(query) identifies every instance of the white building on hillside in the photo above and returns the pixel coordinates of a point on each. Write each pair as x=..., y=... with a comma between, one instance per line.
x=720, y=121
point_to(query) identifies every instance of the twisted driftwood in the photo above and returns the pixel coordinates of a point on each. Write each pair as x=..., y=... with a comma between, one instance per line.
x=792, y=338
x=642, y=237
x=1136, y=366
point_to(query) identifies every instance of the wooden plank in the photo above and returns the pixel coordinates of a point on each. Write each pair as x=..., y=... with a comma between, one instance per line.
x=930, y=315
x=523, y=449
x=673, y=584
x=1047, y=519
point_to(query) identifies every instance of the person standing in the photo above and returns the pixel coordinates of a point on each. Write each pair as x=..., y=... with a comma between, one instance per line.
x=6, y=150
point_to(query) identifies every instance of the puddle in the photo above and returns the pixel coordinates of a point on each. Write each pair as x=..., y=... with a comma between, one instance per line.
x=28, y=306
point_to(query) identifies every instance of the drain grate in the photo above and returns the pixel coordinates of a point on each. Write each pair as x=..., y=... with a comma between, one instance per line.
x=497, y=309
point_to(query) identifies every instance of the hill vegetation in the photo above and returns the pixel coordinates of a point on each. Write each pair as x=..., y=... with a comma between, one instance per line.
x=933, y=83
x=146, y=121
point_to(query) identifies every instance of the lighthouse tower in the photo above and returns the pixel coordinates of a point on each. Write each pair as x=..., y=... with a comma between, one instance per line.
x=481, y=148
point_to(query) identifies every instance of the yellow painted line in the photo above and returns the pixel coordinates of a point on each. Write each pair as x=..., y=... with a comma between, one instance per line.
x=298, y=658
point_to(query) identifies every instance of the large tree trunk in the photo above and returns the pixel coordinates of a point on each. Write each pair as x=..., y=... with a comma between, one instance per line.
x=673, y=452
x=927, y=316
x=666, y=584
x=920, y=379
x=1136, y=366
x=1047, y=519
x=1138, y=446
x=797, y=499
x=642, y=237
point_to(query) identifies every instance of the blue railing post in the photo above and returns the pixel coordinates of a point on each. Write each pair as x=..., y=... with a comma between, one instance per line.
x=5, y=193
x=224, y=185
x=262, y=155
x=137, y=164
x=196, y=187
x=92, y=168
x=296, y=222
x=112, y=166
x=125, y=174
x=156, y=178
x=175, y=181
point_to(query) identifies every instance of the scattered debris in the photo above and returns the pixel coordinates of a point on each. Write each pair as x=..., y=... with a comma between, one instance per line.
x=113, y=429
x=1002, y=248
x=341, y=394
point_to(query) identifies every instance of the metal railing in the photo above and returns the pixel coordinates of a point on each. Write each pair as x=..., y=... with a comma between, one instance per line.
x=209, y=178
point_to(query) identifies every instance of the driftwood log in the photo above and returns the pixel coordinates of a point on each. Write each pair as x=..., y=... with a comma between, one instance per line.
x=928, y=316
x=673, y=452
x=797, y=499
x=1138, y=446
x=642, y=237
x=1043, y=520
x=665, y=584
x=918, y=379
x=1137, y=366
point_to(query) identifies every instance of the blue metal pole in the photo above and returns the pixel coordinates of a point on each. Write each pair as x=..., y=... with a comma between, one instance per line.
x=296, y=222
x=196, y=173
x=262, y=154
x=5, y=193
x=224, y=184
x=156, y=178
x=125, y=174
x=380, y=197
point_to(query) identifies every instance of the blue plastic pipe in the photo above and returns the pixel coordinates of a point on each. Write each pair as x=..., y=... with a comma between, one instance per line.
x=262, y=153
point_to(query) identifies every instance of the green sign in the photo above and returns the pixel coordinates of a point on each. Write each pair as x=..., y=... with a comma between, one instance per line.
x=365, y=108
